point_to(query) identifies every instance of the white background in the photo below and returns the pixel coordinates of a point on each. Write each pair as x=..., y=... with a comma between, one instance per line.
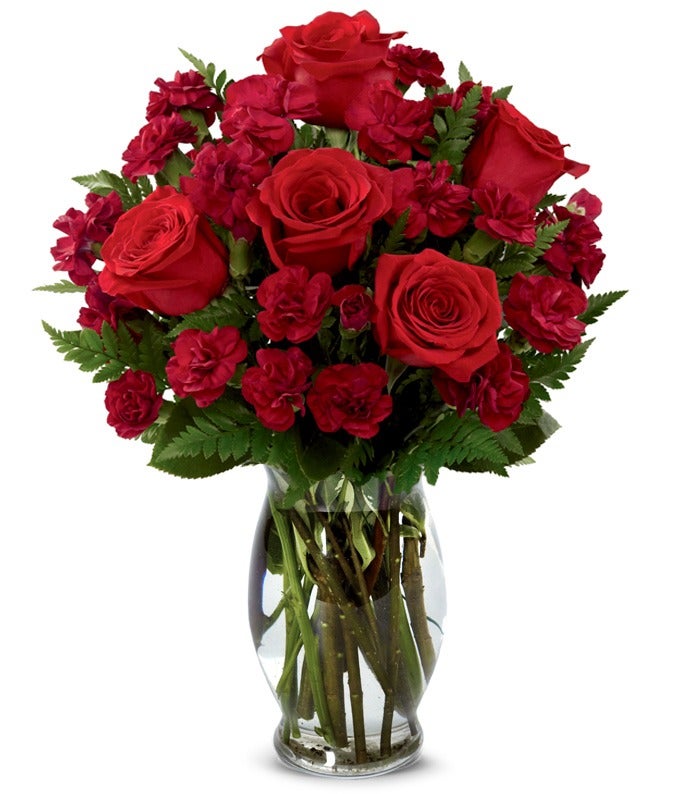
x=125, y=658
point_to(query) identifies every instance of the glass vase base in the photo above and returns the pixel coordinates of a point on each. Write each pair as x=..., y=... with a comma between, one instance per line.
x=310, y=753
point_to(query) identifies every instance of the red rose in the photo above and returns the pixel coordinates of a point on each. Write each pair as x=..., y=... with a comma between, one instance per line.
x=294, y=304
x=150, y=150
x=415, y=65
x=350, y=397
x=133, y=403
x=432, y=311
x=204, y=362
x=275, y=388
x=498, y=390
x=356, y=306
x=433, y=201
x=163, y=256
x=516, y=154
x=336, y=55
x=187, y=91
x=390, y=127
x=544, y=309
x=318, y=206
x=505, y=216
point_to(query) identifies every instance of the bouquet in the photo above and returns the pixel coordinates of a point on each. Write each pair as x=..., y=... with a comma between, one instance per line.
x=355, y=273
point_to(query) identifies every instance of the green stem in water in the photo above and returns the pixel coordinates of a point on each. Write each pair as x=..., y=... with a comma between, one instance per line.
x=356, y=694
x=414, y=593
x=394, y=649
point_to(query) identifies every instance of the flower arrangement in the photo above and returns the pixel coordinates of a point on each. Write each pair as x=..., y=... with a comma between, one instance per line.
x=341, y=267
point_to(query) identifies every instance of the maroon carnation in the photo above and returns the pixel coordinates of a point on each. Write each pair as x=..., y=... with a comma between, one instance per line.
x=187, y=91
x=433, y=201
x=150, y=150
x=545, y=310
x=133, y=403
x=389, y=126
x=276, y=386
x=504, y=215
x=75, y=252
x=103, y=308
x=415, y=65
x=223, y=181
x=356, y=306
x=204, y=362
x=350, y=397
x=574, y=255
x=498, y=390
x=294, y=303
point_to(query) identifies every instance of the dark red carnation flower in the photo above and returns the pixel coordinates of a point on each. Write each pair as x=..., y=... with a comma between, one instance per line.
x=187, y=91
x=545, y=310
x=415, y=65
x=350, y=397
x=505, y=215
x=433, y=201
x=222, y=182
x=276, y=386
x=498, y=390
x=204, y=362
x=150, y=150
x=574, y=255
x=294, y=303
x=455, y=100
x=133, y=403
x=84, y=232
x=389, y=126
x=104, y=308
x=356, y=306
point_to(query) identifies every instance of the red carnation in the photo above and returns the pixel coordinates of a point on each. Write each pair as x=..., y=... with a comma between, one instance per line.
x=222, y=182
x=505, y=215
x=276, y=386
x=415, y=65
x=150, y=150
x=204, y=362
x=350, y=397
x=498, y=390
x=356, y=306
x=390, y=127
x=104, y=308
x=133, y=403
x=294, y=303
x=187, y=91
x=545, y=309
x=433, y=201
x=74, y=253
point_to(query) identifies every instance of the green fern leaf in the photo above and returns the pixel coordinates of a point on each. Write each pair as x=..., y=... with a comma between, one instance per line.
x=551, y=370
x=62, y=286
x=598, y=305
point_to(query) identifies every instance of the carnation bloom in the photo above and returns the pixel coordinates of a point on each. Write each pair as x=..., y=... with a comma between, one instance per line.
x=275, y=388
x=350, y=397
x=356, y=306
x=133, y=403
x=498, y=390
x=204, y=362
x=505, y=215
x=389, y=126
x=416, y=65
x=149, y=151
x=187, y=91
x=294, y=303
x=545, y=310
x=104, y=308
x=433, y=201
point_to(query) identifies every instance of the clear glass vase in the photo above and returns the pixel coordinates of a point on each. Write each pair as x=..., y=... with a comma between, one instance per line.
x=347, y=602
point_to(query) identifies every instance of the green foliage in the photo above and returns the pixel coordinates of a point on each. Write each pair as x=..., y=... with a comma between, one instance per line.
x=394, y=242
x=549, y=200
x=63, y=286
x=464, y=73
x=598, y=305
x=207, y=72
x=552, y=369
x=230, y=309
x=502, y=93
x=455, y=129
x=104, y=182
x=519, y=258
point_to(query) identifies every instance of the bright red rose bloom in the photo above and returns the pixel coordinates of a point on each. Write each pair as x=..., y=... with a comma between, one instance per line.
x=318, y=206
x=150, y=150
x=275, y=388
x=133, y=403
x=204, y=362
x=516, y=154
x=432, y=311
x=350, y=397
x=389, y=126
x=433, y=201
x=164, y=256
x=187, y=91
x=336, y=56
x=505, y=216
x=498, y=390
x=356, y=306
x=545, y=310
x=294, y=303
x=415, y=65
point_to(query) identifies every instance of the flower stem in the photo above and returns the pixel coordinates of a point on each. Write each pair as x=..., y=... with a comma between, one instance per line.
x=414, y=593
x=394, y=649
x=356, y=693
